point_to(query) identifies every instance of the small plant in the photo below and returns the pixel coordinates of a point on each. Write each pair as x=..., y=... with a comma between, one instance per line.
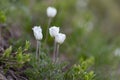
x=81, y=71
x=44, y=68
x=47, y=70
x=40, y=66
x=10, y=61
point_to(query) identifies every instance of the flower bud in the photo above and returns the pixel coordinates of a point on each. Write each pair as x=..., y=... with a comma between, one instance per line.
x=51, y=12
x=59, y=38
x=54, y=31
x=37, y=32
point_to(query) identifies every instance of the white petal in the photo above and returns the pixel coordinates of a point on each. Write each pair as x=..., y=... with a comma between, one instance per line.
x=59, y=38
x=37, y=32
x=54, y=31
x=51, y=12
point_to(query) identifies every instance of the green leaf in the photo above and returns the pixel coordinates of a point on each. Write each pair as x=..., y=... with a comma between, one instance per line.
x=19, y=50
x=19, y=58
x=7, y=52
x=27, y=45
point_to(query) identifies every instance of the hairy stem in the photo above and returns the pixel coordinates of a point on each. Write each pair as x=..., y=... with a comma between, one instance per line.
x=37, y=50
x=54, y=52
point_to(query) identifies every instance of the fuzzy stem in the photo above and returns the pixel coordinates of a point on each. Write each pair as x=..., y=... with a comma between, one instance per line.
x=37, y=50
x=57, y=52
x=54, y=52
x=46, y=37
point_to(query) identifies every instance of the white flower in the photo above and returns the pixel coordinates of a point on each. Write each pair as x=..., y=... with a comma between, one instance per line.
x=51, y=12
x=37, y=32
x=59, y=38
x=54, y=31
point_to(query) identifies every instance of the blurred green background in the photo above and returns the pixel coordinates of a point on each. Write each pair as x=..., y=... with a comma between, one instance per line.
x=92, y=28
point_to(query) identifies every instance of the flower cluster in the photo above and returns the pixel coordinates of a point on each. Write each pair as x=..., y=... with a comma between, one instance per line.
x=53, y=31
x=59, y=38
